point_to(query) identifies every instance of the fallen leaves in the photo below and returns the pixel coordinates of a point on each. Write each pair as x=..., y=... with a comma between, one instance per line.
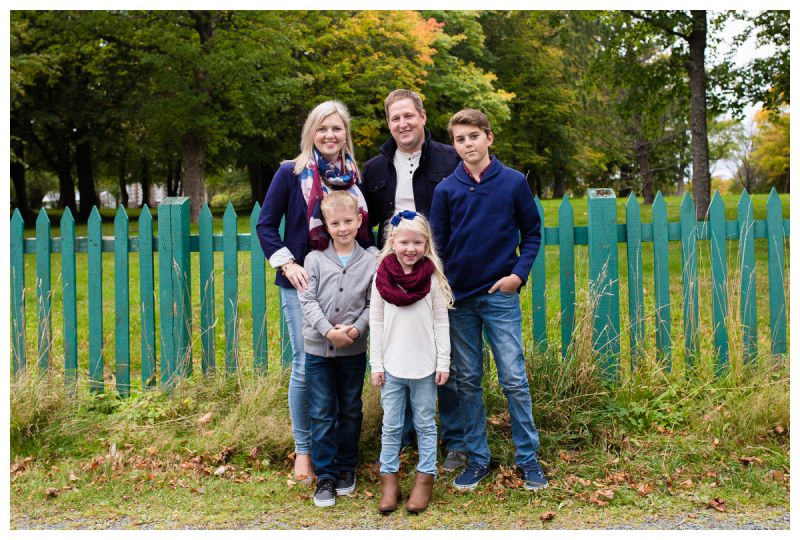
x=20, y=467
x=205, y=419
x=750, y=460
x=717, y=504
x=51, y=492
x=548, y=516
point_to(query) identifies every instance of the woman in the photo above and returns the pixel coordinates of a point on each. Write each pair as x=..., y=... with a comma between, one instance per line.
x=325, y=163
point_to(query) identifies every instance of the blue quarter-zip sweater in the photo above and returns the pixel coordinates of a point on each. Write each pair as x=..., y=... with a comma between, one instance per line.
x=478, y=227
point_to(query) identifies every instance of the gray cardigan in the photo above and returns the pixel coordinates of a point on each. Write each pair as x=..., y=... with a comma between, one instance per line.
x=336, y=295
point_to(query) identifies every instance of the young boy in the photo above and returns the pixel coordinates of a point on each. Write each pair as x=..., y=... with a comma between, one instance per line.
x=480, y=215
x=335, y=322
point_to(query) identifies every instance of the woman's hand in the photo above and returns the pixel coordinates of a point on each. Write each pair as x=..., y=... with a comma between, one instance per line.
x=508, y=284
x=296, y=275
x=441, y=377
x=377, y=379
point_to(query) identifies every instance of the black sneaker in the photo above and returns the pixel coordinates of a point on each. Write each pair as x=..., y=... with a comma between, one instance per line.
x=534, y=476
x=325, y=494
x=471, y=477
x=454, y=460
x=346, y=484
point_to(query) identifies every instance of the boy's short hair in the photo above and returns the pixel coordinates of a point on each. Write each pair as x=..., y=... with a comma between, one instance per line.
x=469, y=117
x=338, y=200
x=402, y=93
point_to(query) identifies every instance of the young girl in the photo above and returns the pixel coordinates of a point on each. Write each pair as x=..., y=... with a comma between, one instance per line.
x=409, y=350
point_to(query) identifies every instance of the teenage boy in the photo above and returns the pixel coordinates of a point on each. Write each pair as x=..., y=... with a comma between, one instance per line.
x=481, y=214
x=335, y=308
x=403, y=177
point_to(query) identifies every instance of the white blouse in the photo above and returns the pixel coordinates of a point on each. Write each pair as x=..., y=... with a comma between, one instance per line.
x=409, y=342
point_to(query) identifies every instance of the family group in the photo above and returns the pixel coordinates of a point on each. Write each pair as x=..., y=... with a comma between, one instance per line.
x=458, y=232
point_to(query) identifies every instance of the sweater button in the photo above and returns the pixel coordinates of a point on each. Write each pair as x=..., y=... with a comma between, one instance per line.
x=472, y=188
x=337, y=310
x=341, y=290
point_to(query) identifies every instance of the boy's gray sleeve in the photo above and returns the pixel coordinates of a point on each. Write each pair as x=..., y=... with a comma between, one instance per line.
x=312, y=312
x=362, y=323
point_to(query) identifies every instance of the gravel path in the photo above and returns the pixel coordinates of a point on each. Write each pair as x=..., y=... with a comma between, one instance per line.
x=696, y=521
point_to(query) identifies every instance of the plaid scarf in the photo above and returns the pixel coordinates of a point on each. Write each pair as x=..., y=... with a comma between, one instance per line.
x=317, y=180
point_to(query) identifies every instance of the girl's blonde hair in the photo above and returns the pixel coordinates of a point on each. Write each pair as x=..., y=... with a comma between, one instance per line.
x=419, y=225
x=314, y=119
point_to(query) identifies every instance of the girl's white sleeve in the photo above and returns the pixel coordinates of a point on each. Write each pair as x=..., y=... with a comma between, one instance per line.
x=441, y=327
x=376, y=330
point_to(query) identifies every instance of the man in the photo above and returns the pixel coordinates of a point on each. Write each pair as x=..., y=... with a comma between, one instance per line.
x=403, y=177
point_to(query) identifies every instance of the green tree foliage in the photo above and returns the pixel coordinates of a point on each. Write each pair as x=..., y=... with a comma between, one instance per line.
x=771, y=149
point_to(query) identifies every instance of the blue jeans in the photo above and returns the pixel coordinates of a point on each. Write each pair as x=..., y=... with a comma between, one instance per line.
x=335, y=403
x=451, y=425
x=298, y=393
x=499, y=315
x=422, y=397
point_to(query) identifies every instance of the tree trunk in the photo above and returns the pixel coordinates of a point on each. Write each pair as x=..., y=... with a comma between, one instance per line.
x=193, y=173
x=144, y=179
x=259, y=181
x=558, y=186
x=66, y=184
x=640, y=148
x=121, y=172
x=83, y=164
x=701, y=176
x=20, y=186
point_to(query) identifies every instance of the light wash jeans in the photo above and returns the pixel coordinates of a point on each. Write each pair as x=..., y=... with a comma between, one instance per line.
x=499, y=315
x=422, y=394
x=299, y=411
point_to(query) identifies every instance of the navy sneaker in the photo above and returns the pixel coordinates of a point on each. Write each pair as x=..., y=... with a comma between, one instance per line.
x=471, y=477
x=534, y=476
x=325, y=495
x=346, y=484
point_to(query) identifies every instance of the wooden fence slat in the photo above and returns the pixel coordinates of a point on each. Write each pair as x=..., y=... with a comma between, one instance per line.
x=258, y=294
x=17, y=234
x=69, y=299
x=206, y=230
x=43, y=289
x=604, y=277
x=633, y=221
x=775, y=256
x=538, y=284
x=231, y=290
x=95, y=262
x=719, y=287
x=747, y=273
x=661, y=284
x=147, y=297
x=690, y=284
x=566, y=256
x=122, y=361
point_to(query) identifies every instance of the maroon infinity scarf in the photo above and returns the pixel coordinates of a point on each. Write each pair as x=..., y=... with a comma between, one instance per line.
x=399, y=288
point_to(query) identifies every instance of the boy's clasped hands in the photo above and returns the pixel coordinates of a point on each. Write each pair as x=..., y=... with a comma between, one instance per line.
x=342, y=335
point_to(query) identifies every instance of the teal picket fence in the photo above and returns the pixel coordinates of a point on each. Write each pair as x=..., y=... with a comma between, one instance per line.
x=168, y=288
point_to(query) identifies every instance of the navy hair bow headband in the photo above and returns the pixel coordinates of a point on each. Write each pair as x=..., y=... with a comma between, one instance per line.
x=405, y=214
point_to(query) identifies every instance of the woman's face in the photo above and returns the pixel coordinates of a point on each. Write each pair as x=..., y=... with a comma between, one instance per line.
x=330, y=137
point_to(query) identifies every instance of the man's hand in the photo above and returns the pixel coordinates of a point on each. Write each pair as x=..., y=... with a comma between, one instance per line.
x=377, y=379
x=352, y=331
x=508, y=284
x=441, y=377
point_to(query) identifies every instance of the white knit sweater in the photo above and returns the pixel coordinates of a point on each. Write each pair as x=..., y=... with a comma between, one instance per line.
x=409, y=342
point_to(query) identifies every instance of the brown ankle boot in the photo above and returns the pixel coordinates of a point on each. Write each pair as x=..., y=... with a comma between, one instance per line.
x=390, y=494
x=420, y=495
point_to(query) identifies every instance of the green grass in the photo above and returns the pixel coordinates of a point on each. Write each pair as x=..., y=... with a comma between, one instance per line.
x=661, y=443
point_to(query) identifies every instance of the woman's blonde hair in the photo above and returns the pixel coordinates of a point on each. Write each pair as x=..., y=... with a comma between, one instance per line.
x=314, y=119
x=419, y=225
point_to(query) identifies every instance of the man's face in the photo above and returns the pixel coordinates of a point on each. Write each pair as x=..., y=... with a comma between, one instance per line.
x=407, y=125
